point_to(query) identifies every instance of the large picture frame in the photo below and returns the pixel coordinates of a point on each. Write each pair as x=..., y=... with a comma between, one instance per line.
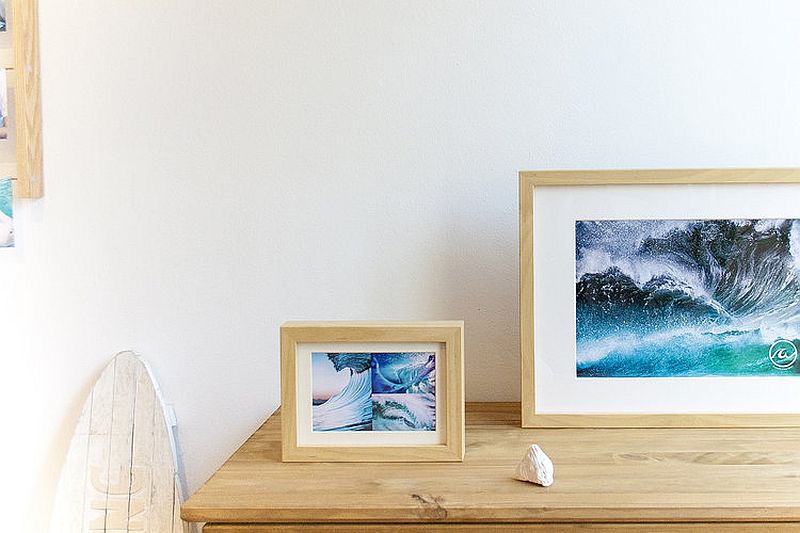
x=584, y=347
x=372, y=391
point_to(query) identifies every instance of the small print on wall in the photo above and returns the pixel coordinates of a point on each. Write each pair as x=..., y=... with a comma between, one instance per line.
x=687, y=298
x=3, y=104
x=374, y=391
x=2, y=15
x=6, y=214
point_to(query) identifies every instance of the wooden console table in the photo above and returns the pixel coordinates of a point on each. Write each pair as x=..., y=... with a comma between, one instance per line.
x=605, y=480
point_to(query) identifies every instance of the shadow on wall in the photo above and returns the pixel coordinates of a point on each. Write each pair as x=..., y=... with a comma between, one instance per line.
x=476, y=279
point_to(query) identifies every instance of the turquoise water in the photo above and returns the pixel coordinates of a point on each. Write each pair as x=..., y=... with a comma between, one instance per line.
x=687, y=355
x=5, y=196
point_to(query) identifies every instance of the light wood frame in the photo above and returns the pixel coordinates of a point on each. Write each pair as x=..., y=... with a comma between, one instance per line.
x=449, y=379
x=528, y=181
x=23, y=71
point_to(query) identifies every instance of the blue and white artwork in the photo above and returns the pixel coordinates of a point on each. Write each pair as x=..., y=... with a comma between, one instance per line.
x=373, y=391
x=684, y=298
x=6, y=214
x=3, y=104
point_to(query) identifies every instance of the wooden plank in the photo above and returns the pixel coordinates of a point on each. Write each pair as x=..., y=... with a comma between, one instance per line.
x=142, y=497
x=740, y=527
x=97, y=462
x=660, y=176
x=116, y=489
x=368, y=326
x=161, y=516
x=28, y=107
x=662, y=421
x=601, y=475
x=526, y=326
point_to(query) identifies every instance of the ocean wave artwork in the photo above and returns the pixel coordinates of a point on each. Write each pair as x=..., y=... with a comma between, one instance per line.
x=403, y=412
x=6, y=214
x=687, y=298
x=373, y=391
x=3, y=104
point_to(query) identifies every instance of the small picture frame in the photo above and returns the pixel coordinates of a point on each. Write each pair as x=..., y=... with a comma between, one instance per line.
x=661, y=298
x=372, y=391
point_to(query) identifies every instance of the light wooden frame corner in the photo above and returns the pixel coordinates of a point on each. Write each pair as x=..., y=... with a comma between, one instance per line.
x=528, y=182
x=448, y=333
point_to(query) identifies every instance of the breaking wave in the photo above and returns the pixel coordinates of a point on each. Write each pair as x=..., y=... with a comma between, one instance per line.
x=350, y=410
x=680, y=287
x=413, y=373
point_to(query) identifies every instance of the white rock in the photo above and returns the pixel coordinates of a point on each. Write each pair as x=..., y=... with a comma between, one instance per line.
x=535, y=467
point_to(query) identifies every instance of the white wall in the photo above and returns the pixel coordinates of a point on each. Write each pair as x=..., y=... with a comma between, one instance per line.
x=213, y=169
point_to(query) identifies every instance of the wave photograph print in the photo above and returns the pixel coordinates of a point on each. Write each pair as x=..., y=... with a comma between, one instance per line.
x=6, y=213
x=687, y=298
x=373, y=391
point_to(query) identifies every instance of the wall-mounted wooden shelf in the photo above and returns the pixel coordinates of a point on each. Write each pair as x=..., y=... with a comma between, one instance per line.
x=21, y=157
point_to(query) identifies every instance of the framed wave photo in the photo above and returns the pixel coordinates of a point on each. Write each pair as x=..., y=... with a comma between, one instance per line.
x=658, y=298
x=372, y=391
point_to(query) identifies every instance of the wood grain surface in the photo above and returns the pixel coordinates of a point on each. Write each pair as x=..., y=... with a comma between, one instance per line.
x=698, y=176
x=602, y=476
x=119, y=474
x=739, y=527
x=28, y=181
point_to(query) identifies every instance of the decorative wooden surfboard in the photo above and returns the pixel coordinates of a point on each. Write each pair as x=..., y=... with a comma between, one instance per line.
x=120, y=473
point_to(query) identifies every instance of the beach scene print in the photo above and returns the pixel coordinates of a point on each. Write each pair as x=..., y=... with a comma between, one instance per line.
x=373, y=391
x=686, y=298
x=6, y=214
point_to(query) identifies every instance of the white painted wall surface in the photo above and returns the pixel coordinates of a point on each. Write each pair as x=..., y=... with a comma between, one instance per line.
x=214, y=169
